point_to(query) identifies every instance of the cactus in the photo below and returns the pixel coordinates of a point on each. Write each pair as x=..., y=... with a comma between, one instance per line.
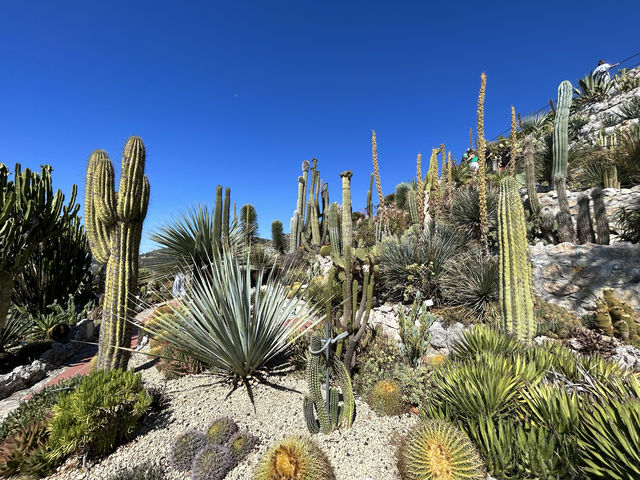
x=413, y=328
x=369, y=207
x=610, y=177
x=482, y=183
x=249, y=222
x=566, y=232
x=217, y=220
x=512, y=143
x=220, y=430
x=516, y=298
x=225, y=216
x=450, y=179
x=277, y=237
x=385, y=398
x=600, y=215
x=334, y=229
x=437, y=450
x=213, y=462
x=240, y=444
x=335, y=416
x=376, y=172
x=294, y=458
x=616, y=318
x=184, y=449
x=561, y=131
x=401, y=194
x=584, y=223
x=546, y=227
x=530, y=176
x=114, y=227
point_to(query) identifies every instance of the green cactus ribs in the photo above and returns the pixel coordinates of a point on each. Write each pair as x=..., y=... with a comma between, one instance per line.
x=114, y=228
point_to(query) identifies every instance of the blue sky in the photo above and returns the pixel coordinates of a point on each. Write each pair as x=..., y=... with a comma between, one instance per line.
x=239, y=93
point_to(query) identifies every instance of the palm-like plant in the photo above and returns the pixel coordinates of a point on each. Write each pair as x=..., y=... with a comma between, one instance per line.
x=225, y=323
x=535, y=123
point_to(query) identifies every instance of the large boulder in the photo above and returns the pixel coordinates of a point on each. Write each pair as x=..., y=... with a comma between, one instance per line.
x=22, y=377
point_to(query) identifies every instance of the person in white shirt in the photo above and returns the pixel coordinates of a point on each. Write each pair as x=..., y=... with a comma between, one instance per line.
x=602, y=71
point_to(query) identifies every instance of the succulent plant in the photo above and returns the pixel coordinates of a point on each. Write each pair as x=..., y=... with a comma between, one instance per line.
x=185, y=448
x=561, y=130
x=240, y=444
x=437, y=450
x=294, y=458
x=220, y=430
x=385, y=398
x=213, y=462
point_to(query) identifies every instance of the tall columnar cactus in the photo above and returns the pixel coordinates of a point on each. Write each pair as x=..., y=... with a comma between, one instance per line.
x=326, y=418
x=610, y=177
x=334, y=229
x=114, y=227
x=584, y=222
x=561, y=131
x=450, y=185
x=513, y=141
x=600, y=214
x=277, y=237
x=376, y=172
x=530, y=177
x=225, y=215
x=308, y=224
x=482, y=182
x=369, y=207
x=217, y=219
x=566, y=232
x=249, y=222
x=413, y=206
x=546, y=227
x=516, y=299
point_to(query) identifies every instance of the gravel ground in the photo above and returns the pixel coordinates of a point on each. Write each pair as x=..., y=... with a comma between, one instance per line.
x=363, y=452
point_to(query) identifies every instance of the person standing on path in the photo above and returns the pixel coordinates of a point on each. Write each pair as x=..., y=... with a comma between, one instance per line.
x=602, y=71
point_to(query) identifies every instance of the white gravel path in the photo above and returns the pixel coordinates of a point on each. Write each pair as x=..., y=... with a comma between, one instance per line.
x=363, y=452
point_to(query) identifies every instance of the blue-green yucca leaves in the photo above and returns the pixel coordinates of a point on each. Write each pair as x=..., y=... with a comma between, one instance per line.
x=610, y=440
x=189, y=240
x=226, y=324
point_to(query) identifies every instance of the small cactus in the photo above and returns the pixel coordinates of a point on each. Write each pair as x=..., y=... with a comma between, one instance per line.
x=240, y=444
x=584, y=223
x=220, y=430
x=294, y=458
x=437, y=450
x=184, y=449
x=385, y=398
x=600, y=215
x=213, y=462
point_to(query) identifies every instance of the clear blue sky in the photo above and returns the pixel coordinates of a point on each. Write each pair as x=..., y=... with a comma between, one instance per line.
x=239, y=93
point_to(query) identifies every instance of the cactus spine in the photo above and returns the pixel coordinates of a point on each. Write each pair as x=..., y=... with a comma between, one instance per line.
x=530, y=176
x=561, y=131
x=566, y=232
x=584, y=223
x=516, y=299
x=114, y=227
x=376, y=172
x=600, y=214
x=482, y=184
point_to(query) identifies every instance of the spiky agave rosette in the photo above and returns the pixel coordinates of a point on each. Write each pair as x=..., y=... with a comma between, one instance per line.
x=294, y=458
x=437, y=450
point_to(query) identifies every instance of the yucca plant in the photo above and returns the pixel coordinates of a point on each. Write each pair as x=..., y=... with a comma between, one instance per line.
x=236, y=329
x=465, y=210
x=609, y=441
x=15, y=328
x=481, y=339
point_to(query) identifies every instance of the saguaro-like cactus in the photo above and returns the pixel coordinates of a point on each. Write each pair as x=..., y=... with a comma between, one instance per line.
x=530, y=176
x=114, y=227
x=610, y=177
x=600, y=214
x=566, y=232
x=584, y=223
x=561, y=131
x=516, y=299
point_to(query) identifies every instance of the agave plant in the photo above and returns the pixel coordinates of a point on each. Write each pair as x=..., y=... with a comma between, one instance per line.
x=535, y=123
x=610, y=120
x=630, y=109
x=591, y=89
x=225, y=323
x=624, y=81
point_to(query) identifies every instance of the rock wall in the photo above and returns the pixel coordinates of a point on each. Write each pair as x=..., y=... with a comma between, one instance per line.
x=613, y=200
x=573, y=275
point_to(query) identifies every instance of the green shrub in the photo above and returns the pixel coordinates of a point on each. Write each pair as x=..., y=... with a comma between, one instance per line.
x=100, y=413
x=383, y=361
x=36, y=407
x=437, y=450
